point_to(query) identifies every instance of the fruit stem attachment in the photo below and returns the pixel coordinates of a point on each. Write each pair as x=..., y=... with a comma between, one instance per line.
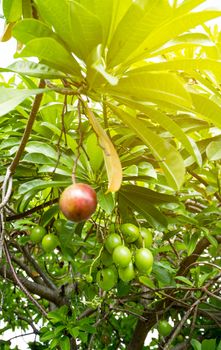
x=94, y=261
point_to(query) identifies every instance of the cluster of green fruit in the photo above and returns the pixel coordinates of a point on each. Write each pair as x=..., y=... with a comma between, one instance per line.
x=125, y=256
x=48, y=241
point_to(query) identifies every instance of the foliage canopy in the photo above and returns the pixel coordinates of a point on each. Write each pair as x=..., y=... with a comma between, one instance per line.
x=124, y=96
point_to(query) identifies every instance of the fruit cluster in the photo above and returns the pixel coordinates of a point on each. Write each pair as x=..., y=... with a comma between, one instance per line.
x=125, y=255
x=48, y=241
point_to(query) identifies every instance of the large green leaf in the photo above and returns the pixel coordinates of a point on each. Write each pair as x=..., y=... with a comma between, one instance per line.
x=12, y=9
x=38, y=185
x=169, y=124
x=140, y=19
x=145, y=86
x=30, y=28
x=170, y=30
x=146, y=209
x=186, y=64
x=169, y=159
x=147, y=194
x=208, y=109
x=104, y=11
x=185, y=41
x=79, y=28
x=33, y=69
x=10, y=98
x=52, y=52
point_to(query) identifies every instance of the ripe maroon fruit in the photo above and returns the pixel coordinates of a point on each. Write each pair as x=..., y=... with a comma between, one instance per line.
x=78, y=202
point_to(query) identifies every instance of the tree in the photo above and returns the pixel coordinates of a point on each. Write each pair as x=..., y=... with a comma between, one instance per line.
x=127, y=100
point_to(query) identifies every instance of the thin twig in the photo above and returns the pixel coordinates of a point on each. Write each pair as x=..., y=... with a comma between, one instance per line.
x=18, y=282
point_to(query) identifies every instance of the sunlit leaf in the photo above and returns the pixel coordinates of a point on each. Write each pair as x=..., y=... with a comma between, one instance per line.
x=10, y=98
x=169, y=159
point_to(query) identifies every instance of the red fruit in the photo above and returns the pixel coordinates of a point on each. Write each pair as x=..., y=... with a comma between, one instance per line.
x=78, y=202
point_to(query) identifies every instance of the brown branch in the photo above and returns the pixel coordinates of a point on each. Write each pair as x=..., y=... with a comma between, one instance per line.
x=47, y=281
x=28, y=129
x=19, y=282
x=33, y=287
x=31, y=211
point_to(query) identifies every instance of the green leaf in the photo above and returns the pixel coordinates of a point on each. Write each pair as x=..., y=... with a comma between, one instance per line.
x=186, y=64
x=169, y=159
x=37, y=185
x=79, y=28
x=171, y=125
x=32, y=69
x=10, y=98
x=71, y=143
x=74, y=331
x=43, y=148
x=49, y=214
x=58, y=315
x=138, y=22
x=147, y=281
x=154, y=86
x=208, y=344
x=195, y=344
x=150, y=196
x=155, y=218
x=162, y=275
x=213, y=150
x=94, y=152
x=184, y=280
x=53, y=53
x=106, y=201
x=12, y=9
x=65, y=343
x=170, y=29
x=31, y=28
x=208, y=109
x=38, y=158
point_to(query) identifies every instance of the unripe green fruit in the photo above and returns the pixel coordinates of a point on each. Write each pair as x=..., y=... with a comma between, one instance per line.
x=143, y=260
x=121, y=256
x=164, y=328
x=37, y=233
x=112, y=241
x=130, y=232
x=49, y=242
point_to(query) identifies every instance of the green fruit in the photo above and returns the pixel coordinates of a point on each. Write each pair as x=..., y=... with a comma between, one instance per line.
x=59, y=225
x=107, y=278
x=180, y=338
x=89, y=278
x=37, y=233
x=49, y=242
x=112, y=241
x=143, y=260
x=127, y=274
x=130, y=232
x=121, y=256
x=145, y=238
x=106, y=258
x=164, y=328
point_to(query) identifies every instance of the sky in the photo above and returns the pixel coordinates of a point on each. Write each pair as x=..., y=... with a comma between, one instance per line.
x=7, y=51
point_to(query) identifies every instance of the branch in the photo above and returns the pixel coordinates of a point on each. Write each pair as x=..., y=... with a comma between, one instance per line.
x=47, y=281
x=33, y=287
x=28, y=129
x=31, y=211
